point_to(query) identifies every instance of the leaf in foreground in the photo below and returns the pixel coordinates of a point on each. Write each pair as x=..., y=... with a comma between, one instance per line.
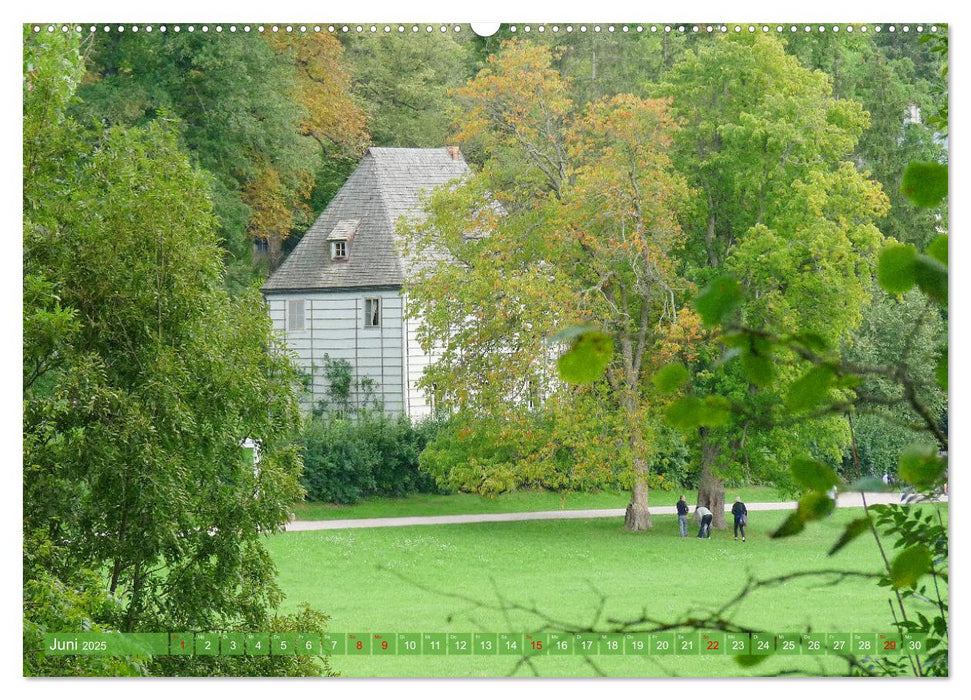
x=925, y=184
x=895, y=269
x=717, y=300
x=854, y=529
x=909, y=566
x=587, y=359
x=813, y=474
x=793, y=525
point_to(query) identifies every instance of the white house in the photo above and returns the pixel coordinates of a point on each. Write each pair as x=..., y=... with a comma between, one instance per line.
x=339, y=293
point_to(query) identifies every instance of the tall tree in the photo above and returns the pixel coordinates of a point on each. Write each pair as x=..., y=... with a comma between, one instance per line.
x=782, y=206
x=259, y=115
x=402, y=82
x=587, y=231
x=142, y=377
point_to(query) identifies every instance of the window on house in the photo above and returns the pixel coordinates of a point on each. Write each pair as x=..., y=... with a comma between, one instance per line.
x=372, y=312
x=261, y=245
x=295, y=315
x=338, y=250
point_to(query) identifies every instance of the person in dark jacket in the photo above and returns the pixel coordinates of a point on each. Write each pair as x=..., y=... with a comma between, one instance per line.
x=683, y=516
x=741, y=517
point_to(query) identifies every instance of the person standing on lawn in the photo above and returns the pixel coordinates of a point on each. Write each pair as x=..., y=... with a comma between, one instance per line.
x=705, y=515
x=683, y=516
x=741, y=517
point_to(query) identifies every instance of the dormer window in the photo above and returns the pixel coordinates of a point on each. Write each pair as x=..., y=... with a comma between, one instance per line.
x=341, y=238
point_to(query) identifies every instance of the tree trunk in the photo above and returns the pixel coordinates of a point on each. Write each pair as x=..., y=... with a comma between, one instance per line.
x=711, y=489
x=638, y=517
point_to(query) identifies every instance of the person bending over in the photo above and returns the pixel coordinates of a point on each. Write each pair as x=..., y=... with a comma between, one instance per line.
x=741, y=517
x=705, y=515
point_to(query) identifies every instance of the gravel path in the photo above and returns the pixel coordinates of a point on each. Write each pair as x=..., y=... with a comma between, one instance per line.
x=843, y=500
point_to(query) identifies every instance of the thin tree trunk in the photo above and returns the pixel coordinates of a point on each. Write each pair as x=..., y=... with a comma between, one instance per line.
x=711, y=489
x=638, y=517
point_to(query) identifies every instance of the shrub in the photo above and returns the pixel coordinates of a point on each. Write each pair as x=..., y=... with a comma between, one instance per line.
x=371, y=453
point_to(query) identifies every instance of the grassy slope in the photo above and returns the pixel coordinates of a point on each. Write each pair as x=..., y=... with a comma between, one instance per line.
x=398, y=580
x=516, y=502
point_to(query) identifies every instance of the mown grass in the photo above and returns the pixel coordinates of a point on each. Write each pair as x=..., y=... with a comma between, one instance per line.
x=515, y=502
x=466, y=578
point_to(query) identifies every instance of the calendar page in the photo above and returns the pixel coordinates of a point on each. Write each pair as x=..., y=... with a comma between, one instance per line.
x=450, y=350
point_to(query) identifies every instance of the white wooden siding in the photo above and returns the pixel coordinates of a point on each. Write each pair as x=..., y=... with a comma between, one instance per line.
x=335, y=326
x=418, y=404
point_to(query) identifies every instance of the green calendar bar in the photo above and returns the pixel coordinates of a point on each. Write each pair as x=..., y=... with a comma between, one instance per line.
x=561, y=643
x=662, y=643
x=536, y=643
x=459, y=644
x=586, y=643
x=637, y=644
x=686, y=643
x=889, y=643
x=712, y=643
x=358, y=644
x=433, y=644
x=864, y=643
x=814, y=643
x=787, y=643
x=485, y=643
x=409, y=644
x=309, y=645
x=510, y=644
x=207, y=644
x=181, y=644
x=232, y=644
x=384, y=644
x=334, y=643
x=258, y=644
x=738, y=643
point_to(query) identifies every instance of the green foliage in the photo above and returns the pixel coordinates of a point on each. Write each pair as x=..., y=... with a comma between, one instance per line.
x=925, y=184
x=403, y=84
x=142, y=378
x=239, y=106
x=896, y=331
x=370, y=453
x=693, y=412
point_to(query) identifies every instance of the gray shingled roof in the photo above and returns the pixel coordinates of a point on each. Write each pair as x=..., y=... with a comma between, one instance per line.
x=386, y=184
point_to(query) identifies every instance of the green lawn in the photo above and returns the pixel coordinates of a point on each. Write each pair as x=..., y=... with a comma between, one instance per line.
x=515, y=502
x=414, y=579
